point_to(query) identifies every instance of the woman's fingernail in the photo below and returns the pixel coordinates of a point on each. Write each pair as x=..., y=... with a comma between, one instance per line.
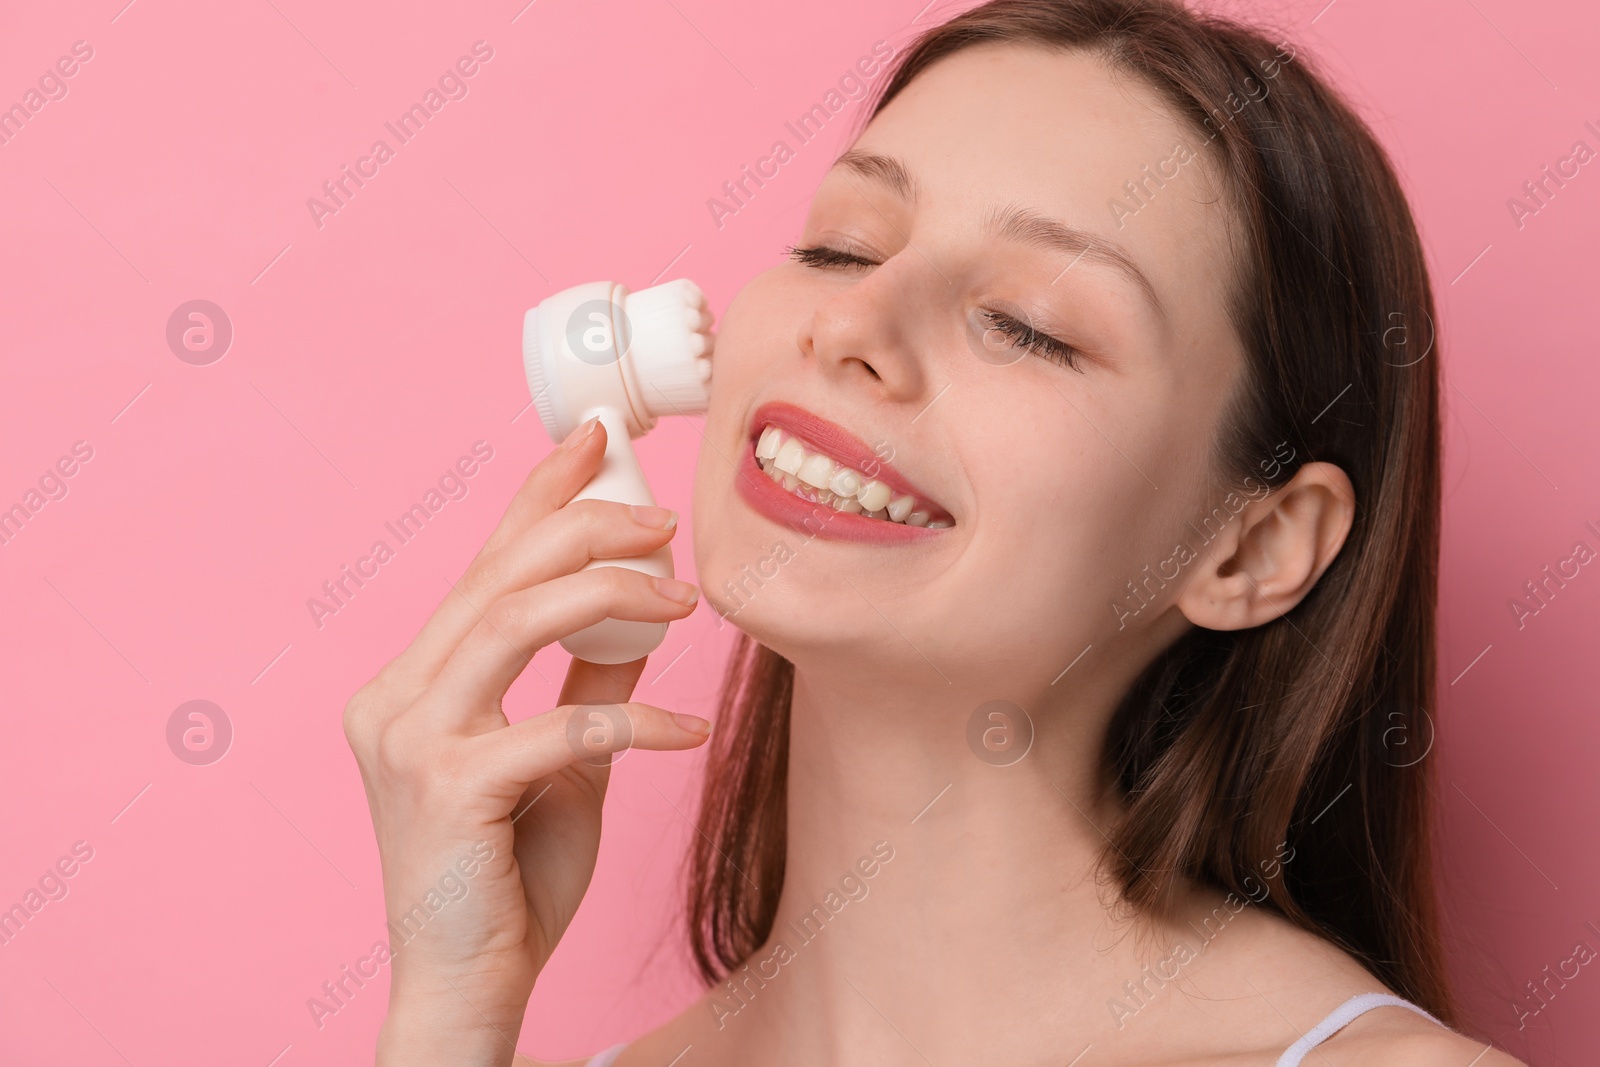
x=692, y=723
x=653, y=517
x=672, y=589
x=581, y=434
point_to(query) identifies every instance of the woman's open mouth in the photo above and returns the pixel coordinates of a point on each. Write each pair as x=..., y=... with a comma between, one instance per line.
x=816, y=476
x=812, y=475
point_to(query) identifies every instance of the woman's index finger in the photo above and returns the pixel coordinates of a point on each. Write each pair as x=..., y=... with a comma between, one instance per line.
x=553, y=482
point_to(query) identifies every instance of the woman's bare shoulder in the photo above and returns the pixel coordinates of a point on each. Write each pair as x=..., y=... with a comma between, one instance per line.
x=1386, y=1036
x=1381, y=1036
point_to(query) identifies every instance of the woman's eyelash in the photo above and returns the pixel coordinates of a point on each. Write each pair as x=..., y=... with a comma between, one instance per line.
x=823, y=256
x=1021, y=334
x=1027, y=337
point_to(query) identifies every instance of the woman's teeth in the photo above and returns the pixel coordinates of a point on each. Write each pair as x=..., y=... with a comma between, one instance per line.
x=821, y=479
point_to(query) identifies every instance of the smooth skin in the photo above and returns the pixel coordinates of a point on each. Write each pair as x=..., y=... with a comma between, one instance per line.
x=987, y=938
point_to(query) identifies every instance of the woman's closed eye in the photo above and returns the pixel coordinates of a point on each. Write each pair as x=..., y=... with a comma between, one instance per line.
x=1026, y=337
x=1019, y=333
x=823, y=256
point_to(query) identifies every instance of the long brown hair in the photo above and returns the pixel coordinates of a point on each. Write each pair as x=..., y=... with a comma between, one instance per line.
x=1302, y=734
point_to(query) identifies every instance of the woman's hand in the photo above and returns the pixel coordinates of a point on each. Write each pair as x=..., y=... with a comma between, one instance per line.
x=487, y=831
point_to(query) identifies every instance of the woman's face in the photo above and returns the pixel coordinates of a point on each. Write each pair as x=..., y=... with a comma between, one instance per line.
x=1061, y=482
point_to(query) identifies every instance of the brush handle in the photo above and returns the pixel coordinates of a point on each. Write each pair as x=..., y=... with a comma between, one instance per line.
x=620, y=478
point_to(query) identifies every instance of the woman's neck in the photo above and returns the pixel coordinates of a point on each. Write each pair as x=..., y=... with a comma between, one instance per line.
x=910, y=857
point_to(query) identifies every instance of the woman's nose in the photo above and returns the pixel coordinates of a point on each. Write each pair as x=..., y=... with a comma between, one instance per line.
x=863, y=334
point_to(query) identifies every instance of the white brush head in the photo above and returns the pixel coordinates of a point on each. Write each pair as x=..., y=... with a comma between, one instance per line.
x=671, y=351
x=596, y=346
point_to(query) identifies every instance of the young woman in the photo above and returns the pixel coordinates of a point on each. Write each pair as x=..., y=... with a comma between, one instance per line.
x=1075, y=489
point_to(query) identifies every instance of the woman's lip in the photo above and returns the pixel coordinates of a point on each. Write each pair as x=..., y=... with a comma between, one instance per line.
x=843, y=446
x=772, y=500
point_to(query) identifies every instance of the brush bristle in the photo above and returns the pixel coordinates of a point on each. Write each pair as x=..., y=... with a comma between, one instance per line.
x=672, y=345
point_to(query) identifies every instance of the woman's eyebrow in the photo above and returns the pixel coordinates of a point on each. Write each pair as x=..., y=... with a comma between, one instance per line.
x=1015, y=223
x=1029, y=227
x=886, y=169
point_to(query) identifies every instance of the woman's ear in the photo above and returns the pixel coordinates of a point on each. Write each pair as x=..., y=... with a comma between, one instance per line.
x=1264, y=563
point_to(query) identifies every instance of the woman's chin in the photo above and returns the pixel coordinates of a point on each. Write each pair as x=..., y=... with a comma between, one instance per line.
x=777, y=622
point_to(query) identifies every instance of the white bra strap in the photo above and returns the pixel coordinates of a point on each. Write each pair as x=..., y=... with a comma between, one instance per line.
x=1340, y=1017
x=606, y=1058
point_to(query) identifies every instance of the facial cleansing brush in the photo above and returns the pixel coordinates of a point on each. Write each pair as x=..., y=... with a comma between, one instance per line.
x=629, y=358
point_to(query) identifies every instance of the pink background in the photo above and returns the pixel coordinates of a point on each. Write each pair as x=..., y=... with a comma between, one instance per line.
x=371, y=352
